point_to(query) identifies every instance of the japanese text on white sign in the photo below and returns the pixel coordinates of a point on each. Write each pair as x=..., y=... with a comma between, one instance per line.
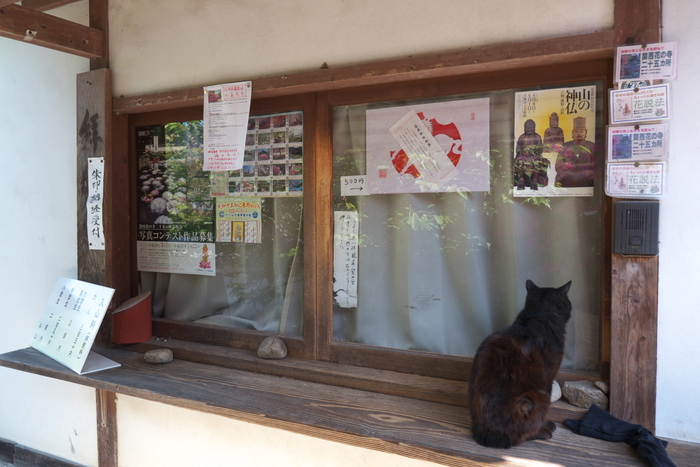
x=226, y=110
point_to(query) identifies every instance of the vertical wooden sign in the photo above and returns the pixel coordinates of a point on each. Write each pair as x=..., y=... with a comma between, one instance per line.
x=94, y=108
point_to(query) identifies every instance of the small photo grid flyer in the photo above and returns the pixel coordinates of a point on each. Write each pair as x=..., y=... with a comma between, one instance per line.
x=273, y=161
x=69, y=324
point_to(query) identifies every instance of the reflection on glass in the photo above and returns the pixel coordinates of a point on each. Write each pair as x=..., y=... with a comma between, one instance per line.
x=257, y=285
x=438, y=271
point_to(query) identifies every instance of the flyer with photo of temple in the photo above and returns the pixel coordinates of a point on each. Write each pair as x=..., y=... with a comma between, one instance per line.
x=646, y=62
x=555, y=150
x=638, y=143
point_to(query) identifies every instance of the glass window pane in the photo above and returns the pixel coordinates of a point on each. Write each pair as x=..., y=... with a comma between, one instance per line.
x=223, y=248
x=439, y=267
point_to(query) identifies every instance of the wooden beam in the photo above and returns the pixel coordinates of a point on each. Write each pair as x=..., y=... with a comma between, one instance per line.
x=6, y=2
x=469, y=61
x=45, y=30
x=99, y=19
x=634, y=285
x=637, y=22
x=45, y=5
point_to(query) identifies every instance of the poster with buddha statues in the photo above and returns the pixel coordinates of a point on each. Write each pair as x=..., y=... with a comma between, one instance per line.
x=555, y=150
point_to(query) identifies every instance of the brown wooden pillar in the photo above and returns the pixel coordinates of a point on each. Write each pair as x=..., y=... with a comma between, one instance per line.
x=634, y=287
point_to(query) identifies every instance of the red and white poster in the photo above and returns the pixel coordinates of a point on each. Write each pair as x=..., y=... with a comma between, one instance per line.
x=436, y=147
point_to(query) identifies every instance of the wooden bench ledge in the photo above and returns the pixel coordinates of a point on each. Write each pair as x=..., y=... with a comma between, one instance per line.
x=431, y=431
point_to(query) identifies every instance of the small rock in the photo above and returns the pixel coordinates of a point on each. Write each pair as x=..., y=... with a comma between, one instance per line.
x=584, y=394
x=272, y=348
x=603, y=386
x=158, y=356
x=556, y=391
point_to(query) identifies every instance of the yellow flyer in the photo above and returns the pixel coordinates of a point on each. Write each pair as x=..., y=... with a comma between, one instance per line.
x=239, y=220
x=555, y=149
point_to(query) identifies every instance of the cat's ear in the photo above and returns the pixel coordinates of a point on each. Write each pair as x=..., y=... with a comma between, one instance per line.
x=565, y=288
x=530, y=286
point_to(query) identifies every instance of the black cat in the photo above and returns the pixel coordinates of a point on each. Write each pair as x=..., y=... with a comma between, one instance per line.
x=513, y=370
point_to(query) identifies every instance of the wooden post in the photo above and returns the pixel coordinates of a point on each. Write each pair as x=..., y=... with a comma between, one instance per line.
x=94, y=109
x=107, y=447
x=634, y=288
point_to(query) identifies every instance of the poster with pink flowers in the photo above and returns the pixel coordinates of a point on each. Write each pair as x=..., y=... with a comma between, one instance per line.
x=433, y=147
x=174, y=193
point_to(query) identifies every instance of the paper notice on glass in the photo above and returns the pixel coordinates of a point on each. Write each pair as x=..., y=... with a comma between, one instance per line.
x=353, y=185
x=422, y=149
x=69, y=323
x=554, y=142
x=177, y=257
x=433, y=147
x=646, y=62
x=95, y=229
x=636, y=179
x=219, y=184
x=226, y=111
x=645, y=104
x=345, y=258
x=239, y=220
x=637, y=143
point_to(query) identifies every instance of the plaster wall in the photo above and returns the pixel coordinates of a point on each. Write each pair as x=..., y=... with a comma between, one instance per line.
x=677, y=408
x=159, y=46
x=38, y=239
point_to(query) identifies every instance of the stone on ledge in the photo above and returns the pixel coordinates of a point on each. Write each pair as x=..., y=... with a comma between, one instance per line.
x=556, y=391
x=603, y=386
x=158, y=356
x=584, y=394
x=272, y=348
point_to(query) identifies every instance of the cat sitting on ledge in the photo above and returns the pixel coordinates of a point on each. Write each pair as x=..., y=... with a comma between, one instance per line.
x=511, y=380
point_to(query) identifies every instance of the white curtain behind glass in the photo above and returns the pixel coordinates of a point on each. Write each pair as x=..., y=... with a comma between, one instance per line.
x=443, y=288
x=257, y=286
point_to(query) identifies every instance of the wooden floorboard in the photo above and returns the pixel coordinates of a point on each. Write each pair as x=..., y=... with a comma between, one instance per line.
x=424, y=430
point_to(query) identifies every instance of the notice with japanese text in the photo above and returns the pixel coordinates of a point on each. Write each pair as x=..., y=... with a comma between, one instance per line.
x=646, y=62
x=637, y=143
x=177, y=257
x=645, y=104
x=226, y=110
x=636, y=179
x=432, y=147
x=239, y=220
x=555, y=150
x=345, y=258
x=95, y=229
x=69, y=324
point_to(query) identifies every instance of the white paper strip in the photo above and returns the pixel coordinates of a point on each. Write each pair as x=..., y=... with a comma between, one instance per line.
x=95, y=230
x=345, y=258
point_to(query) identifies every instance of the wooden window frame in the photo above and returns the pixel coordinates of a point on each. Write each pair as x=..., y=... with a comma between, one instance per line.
x=317, y=343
